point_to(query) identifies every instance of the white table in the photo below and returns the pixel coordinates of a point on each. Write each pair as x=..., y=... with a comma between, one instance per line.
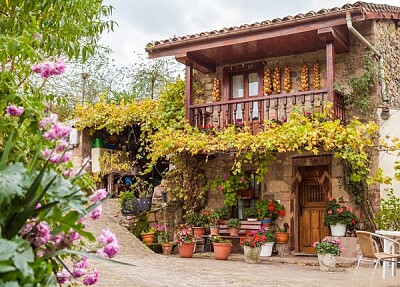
x=395, y=235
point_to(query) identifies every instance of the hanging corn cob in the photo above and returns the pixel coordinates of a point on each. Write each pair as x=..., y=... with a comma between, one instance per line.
x=316, y=77
x=276, y=83
x=267, y=82
x=287, y=83
x=216, y=90
x=304, y=80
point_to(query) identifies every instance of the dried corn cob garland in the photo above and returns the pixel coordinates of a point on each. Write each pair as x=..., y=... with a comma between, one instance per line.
x=304, y=81
x=287, y=83
x=267, y=82
x=216, y=93
x=316, y=77
x=276, y=83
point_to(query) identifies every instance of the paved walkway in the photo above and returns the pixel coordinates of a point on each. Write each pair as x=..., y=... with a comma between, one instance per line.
x=153, y=269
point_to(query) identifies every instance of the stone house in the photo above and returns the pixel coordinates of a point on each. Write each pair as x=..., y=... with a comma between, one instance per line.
x=261, y=71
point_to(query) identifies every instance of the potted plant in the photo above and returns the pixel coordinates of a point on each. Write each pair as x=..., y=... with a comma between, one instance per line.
x=186, y=242
x=167, y=239
x=252, y=243
x=250, y=213
x=222, y=247
x=281, y=233
x=230, y=186
x=198, y=221
x=338, y=217
x=145, y=190
x=266, y=248
x=148, y=236
x=129, y=203
x=269, y=210
x=234, y=226
x=213, y=221
x=327, y=252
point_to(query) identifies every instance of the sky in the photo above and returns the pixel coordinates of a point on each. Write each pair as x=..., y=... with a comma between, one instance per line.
x=140, y=22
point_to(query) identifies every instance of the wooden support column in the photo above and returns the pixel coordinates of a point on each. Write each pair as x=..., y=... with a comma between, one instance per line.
x=188, y=89
x=330, y=69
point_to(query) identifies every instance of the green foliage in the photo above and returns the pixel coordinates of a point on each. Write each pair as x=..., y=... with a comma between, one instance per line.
x=229, y=185
x=222, y=212
x=144, y=187
x=234, y=222
x=250, y=212
x=219, y=239
x=388, y=218
x=269, y=208
x=141, y=225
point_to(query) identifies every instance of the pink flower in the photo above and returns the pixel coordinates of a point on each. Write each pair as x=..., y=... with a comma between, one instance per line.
x=110, y=250
x=63, y=276
x=41, y=234
x=48, y=121
x=329, y=211
x=82, y=264
x=48, y=69
x=98, y=195
x=62, y=145
x=330, y=198
x=96, y=213
x=348, y=208
x=225, y=176
x=220, y=187
x=78, y=272
x=38, y=205
x=91, y=278
x=14, y=111
x=69, y=172
x=106, y=237
x=340, y=210
x=315, y=244
x=243, y=180
x=73, y=236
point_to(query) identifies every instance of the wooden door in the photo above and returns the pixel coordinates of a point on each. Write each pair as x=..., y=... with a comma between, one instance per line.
x=313, y=191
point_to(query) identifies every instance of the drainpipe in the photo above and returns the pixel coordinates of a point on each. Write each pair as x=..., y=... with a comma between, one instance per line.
x=369, y=45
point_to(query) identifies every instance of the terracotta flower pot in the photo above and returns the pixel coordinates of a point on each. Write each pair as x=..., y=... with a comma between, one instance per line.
x=186, y=249
x=214, y=230
x=199, y=231
x=148, y=238
x=252, y=254
x=222, y=250
x=234, y=231
x=281, y=237
x=167, y=248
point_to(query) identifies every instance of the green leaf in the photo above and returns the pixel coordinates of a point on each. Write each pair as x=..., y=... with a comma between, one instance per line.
x=6, y=268
x=7, y=249
x=6, y=151
x=21, y=261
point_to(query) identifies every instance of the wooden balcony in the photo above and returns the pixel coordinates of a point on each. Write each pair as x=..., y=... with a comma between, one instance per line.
x=255, y=110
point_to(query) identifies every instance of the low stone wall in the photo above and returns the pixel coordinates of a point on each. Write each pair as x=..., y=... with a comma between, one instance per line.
x=351, y=249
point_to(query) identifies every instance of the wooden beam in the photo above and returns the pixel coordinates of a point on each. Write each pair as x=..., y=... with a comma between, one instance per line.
x=188, y=89
x=233, y=38
x=200, y=63
x=337, y=36
x=330, y=70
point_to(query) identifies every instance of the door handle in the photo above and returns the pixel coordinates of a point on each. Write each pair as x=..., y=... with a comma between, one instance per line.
x=300, y=209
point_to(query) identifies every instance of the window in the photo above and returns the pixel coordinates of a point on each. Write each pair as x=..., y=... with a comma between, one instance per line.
x=245, y=84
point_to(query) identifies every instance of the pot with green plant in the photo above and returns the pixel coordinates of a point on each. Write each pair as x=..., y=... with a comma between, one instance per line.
x=338, y=217
x=213, y=219
x=269, y=210
x=266, y=248
x=281, y=233
x=250, y=213
x=167, y=239
x=148, y=236
x=129, y=203
x=222, y=247
x=198, y=221
x=234, y=226
x=388, y=217
x=145, y=190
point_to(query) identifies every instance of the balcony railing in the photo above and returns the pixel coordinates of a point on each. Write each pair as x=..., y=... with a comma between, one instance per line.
x=254, y=111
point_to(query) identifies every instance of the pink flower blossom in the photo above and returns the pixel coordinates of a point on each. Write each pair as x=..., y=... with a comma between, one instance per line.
x=69, y=172
x=57, y=239
x=348, y=208
x=82, y=264
x=220, y=187
x=225, y=176
x=48, y=69
x=38, y=205
x=48, y=121
x=63, y=276
x=78, y=272
x=110, y=250
x=243, y=180
x=66, y=157
x=330, y=198
x=329, y=211
x=98, y=195
x=62, y=145
x=58, y=131
x=106, y=237
x=41, y=234
x=91, y=278
x=340, y=210
x=73, y=236
x=14, y=111
x=96, y=213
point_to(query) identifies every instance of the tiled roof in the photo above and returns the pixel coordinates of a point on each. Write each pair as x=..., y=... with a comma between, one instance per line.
x=363, y=7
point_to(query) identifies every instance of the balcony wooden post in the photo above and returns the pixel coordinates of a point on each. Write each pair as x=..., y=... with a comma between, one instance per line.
x=188, y=89
x=330, y=70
